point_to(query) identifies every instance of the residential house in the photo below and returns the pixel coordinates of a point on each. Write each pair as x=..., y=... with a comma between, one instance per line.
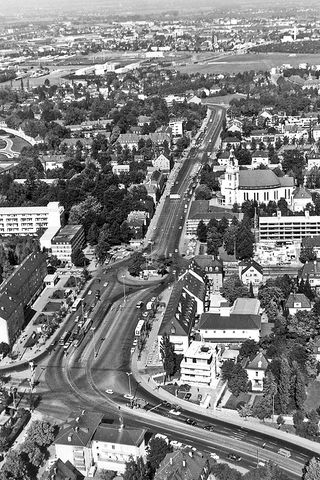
x=62, y=471
x=313, y=160
x=181, y=465
x=187, y=300
x=311, y=272
x=114, y=445
x=50, y=162
x=316, y=133
x=301, y=198
x=251, y=272
x=260, y=157
x=73, y=442
x=200, y=364
x=233, y=324
x=312, y=243
x=117, y=169
x=298, y=302
x=256, y=370
x=137, y=222
x=230, y=142
x=161, y=163
x=213, y=268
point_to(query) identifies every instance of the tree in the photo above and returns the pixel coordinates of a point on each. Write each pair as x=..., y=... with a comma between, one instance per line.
x=249, y=348
x=312, y=470
x=307, y=254
x=78, y=258
x=34, y=453
x=137, y=470
x=168, y=356
x=85, y=213
x=157, y=450
x=284, y=384
x=229, y=239
x=227, y=369
x=245, y=411
x=202, y=232
x=239, y=381
x=293, y=160
x=299, y=389
x=93, y=234
x=14, y=468
x=136, y=263
x=41, y=433
x=214, y=241
x=203, y=192
x=233, y=288
x=106, y=475
x=262, y=409
x=4, y=348
x=244, y=242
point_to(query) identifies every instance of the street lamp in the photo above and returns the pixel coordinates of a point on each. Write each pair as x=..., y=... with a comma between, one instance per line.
x=94, y=341
x=124, y=288
x=129, y=375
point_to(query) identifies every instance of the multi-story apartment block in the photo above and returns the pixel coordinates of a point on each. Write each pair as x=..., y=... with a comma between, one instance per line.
x=29, y=220
x=288, y=228
x=176, y=126
x=69, y=239
x=200, y=364
x=18, y=292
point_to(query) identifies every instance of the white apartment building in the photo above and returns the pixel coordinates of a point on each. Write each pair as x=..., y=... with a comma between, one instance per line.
x=200, y=364
x=288, y=229
x=28, y=220
x=112, y=446
x=176, y=126
x=69, y=239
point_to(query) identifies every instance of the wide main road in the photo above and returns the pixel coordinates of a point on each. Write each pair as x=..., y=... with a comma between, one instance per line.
x=168, y=231
x=80, y=378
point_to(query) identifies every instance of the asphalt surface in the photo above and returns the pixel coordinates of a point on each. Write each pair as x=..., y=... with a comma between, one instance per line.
x=77, y=379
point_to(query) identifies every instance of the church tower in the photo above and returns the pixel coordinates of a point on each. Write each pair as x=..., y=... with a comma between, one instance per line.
x=230, y=183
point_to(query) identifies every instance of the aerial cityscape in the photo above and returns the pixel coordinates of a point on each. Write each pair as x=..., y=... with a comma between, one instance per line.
x=159, y=240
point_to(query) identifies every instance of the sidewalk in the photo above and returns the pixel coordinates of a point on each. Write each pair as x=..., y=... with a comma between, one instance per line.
x=144, y=370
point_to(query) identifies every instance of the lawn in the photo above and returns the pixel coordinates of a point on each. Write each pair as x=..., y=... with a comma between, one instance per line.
x=18, y=144
x=313, y=396
x=52, y=307
x=235, y=402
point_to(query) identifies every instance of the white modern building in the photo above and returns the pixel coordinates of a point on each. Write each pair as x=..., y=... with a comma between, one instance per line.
x=29, y=220
x=233, y=324
x=176, y=126
x=69, y=239
x=263, y=186
x=113, y=445
x=288, y=228
x=200, y=364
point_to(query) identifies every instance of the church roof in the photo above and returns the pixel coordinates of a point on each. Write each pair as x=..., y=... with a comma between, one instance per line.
x=262, y=179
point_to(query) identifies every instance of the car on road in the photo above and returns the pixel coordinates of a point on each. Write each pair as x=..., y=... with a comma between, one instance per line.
x=109, y=391
x=190, y=421
x=174, y=412
x=214, y=456
x=206, y=427
x=234, y=457
x=167, y=404
x=187, y=396
x=128, y=396
x=89, y=292
x=106, y=284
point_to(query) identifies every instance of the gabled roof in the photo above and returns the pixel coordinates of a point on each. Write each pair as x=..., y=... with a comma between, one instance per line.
x=302, y=192
x=206, y=262
x=258, y=363
x=62, y=471
x=180, y=313
x=79, y=429
x=214, y=321
x=112, y=433
x=254, y=264
x=179, y=465
x=298, y=298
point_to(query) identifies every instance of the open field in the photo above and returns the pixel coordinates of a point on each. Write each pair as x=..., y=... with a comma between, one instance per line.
x=250, y=61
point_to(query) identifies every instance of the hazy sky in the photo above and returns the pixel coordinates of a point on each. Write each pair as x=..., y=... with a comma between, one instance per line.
x=16, y=7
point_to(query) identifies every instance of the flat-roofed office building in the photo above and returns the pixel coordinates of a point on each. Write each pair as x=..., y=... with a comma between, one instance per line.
x=288, y=228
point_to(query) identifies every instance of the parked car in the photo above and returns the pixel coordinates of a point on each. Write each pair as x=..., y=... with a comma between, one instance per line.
x=234, y=457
